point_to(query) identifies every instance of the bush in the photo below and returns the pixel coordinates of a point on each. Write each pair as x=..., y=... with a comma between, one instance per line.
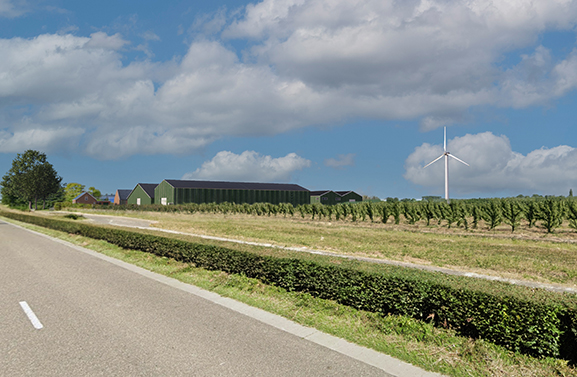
x=530, y=321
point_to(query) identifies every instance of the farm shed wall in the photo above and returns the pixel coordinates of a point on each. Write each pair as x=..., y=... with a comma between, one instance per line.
x=169, y=192
x=139, y=193
x=325, y=197
x=351, y=196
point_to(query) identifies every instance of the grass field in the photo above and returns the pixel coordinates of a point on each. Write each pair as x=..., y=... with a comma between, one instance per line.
x=529, y=254
x=416, y=342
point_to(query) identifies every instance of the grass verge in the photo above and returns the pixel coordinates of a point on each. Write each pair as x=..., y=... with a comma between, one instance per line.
x=412, y=341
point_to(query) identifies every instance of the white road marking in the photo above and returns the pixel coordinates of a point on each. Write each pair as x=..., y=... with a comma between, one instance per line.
x=31, y=316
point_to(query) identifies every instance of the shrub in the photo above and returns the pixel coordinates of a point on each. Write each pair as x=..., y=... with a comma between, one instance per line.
x=521, y=319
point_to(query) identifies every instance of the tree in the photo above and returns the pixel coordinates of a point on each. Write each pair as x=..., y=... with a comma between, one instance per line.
x=492, y=214
x=531, y=211
x=411, y=213
x=72, y=190
x=30, y=179
x=95, y=192
x=512, y=213
x=572, y=214
x=477, y=213
x=385, y=212
x=551, y=213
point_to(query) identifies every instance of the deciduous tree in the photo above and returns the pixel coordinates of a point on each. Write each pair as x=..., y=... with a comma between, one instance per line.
x=72, y=190
x=30, y=179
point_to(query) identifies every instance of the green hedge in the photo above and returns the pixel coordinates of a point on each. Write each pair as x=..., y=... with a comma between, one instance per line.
x=529, y=321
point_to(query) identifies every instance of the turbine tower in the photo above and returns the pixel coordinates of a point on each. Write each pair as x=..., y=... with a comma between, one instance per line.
x=446, y=154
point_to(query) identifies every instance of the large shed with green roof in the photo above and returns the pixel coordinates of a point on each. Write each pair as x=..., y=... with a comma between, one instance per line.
x=172, y=191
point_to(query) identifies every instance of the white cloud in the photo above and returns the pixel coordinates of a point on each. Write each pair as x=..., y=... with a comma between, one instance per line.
x=494, y=167
x=11, y=9
x=312, y=62
x=249, y=166
x=39, y=139
x=341, y=161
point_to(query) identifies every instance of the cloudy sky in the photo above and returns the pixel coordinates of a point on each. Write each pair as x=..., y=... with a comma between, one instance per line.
x=328, y=94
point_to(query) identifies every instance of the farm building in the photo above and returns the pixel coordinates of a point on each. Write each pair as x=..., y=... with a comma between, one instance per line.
x=121, y=196
x=334, y=197
x=85, y=198
x=142, y=194
x=325, y=197
x=171, y=191
x=349, y=196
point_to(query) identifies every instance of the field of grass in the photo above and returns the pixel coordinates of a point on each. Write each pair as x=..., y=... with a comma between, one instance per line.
x=529, y=254
x=416, y=342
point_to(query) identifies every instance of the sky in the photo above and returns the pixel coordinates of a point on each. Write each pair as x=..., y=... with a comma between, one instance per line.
x=328, y=94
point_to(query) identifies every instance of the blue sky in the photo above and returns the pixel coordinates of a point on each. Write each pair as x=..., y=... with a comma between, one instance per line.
x=328, y=94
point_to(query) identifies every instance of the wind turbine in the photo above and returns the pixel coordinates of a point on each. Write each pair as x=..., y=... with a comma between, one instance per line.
x=446, y=154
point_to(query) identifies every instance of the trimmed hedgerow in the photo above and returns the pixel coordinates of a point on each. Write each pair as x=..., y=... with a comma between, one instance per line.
x=529, y=321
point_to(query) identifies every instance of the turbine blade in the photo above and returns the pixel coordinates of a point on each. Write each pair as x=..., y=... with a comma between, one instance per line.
x=435, y=160
x=458, y=159
x=445, y=140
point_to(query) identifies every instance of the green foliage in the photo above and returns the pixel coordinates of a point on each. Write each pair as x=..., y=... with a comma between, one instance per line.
x=531, y=211
x=369, y=210
x=94, y=192
x=411, y=212
x=512, y=213
x=73, y=216
x=572, y=213
x=72, y=190
x=551, y=213
x=385, y=212
x=492, y=214
x=477, y=214
x=428, y=211
x=30, y=179
x=523, y=320
x=396, y=209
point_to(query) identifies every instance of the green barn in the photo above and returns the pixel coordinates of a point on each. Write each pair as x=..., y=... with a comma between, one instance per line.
x=349, y=196
x=142, y=194
x=172, y=191
x=334, y=197
x=325, y=197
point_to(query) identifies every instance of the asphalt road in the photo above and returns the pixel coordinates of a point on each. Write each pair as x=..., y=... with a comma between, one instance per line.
x=100, y=319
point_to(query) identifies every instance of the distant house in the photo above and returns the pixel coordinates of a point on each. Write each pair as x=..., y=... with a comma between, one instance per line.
x=121, y=196
x=329, y=197
x=85, y=198
x=142, y=194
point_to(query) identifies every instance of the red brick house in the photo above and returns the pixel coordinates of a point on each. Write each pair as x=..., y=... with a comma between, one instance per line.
x=85, y=198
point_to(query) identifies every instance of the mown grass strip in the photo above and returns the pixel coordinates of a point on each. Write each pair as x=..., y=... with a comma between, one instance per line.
x=416, y=342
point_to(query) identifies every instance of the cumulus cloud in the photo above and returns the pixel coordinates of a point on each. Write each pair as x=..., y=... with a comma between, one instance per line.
x=341, y=161
x=494, y=167
x=310, y=62
x=249, y=166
